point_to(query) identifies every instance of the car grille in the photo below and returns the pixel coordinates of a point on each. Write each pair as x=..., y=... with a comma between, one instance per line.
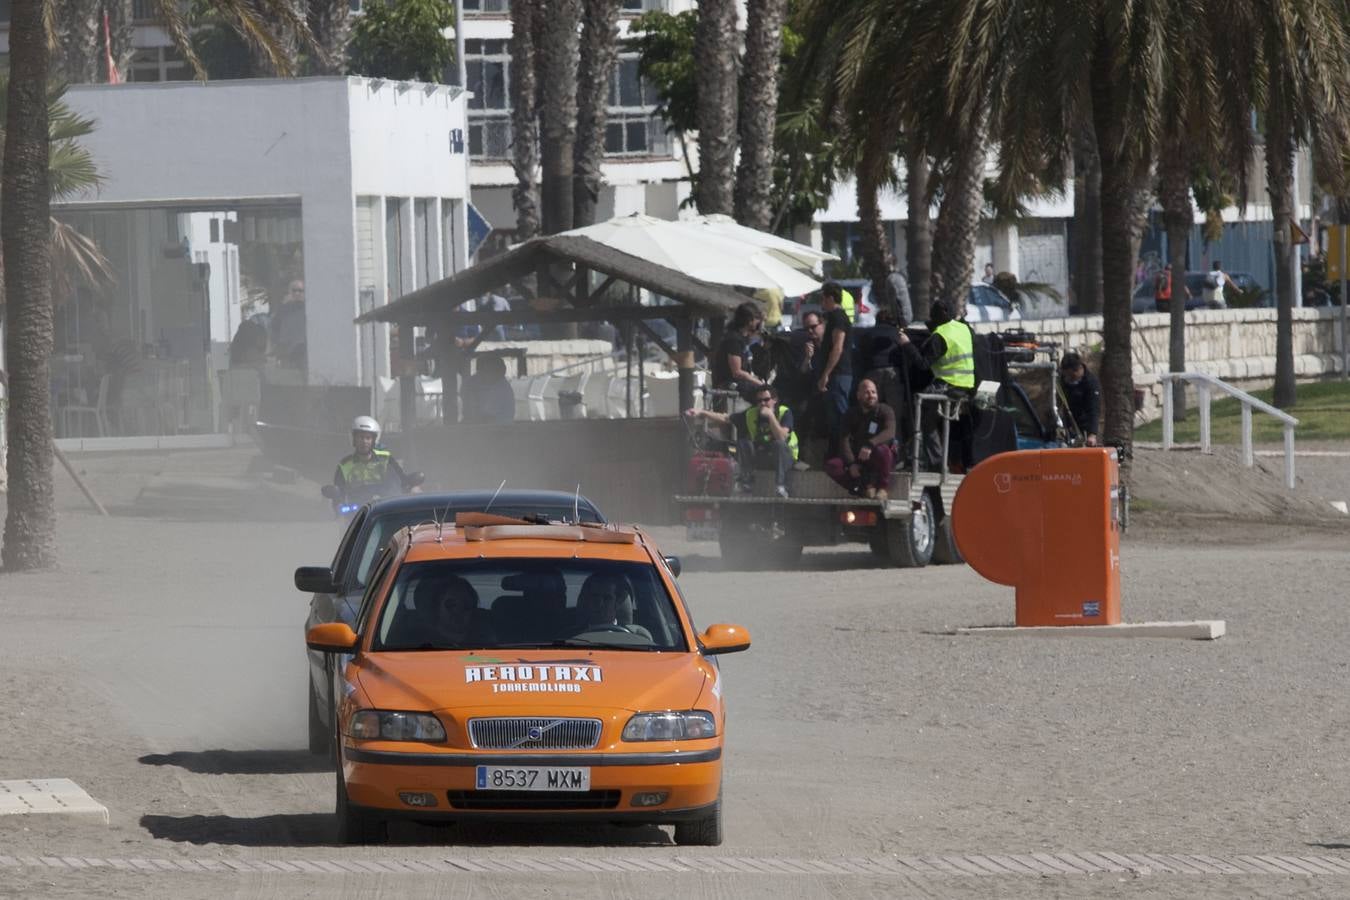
x=528, y=801
x=534, y=734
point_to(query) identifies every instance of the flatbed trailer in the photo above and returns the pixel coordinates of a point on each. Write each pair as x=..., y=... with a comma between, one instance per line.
x=762, y=530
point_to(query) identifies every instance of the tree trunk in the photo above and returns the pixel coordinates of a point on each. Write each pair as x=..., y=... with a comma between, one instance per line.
x=79, y=38
x=558, y=112
x=918, y=234
x=876, y=250
x=1175, y=196
x=1122, y=181
x=330, y=21
x=25, y=229
x=1087, y=222
x=123, y=33
x=958, y=224
x=759, y=111
x=525, y=117
x=595, y=73
x=1279, y=182
x=715, y=63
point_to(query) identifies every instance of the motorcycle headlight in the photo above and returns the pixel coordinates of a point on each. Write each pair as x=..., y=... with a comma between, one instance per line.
x=670, y=726
x=382, y=725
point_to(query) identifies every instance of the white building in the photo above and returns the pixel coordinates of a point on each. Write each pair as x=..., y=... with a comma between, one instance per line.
x=644, y=171
x=219, y=198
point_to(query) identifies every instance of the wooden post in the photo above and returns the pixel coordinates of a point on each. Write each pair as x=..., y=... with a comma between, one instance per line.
x=447, y=367
x=407, y=382
x=684, y=360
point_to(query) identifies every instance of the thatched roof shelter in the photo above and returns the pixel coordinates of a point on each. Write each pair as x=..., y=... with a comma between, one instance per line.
x=556, y=274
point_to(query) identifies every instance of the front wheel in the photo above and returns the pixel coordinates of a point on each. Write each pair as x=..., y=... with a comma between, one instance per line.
x=356, y=825
x=704, y=832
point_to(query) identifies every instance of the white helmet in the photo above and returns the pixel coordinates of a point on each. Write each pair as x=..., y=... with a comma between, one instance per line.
x=366, y=425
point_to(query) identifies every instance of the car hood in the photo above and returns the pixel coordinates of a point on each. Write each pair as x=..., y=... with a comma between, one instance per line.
x=532, y=681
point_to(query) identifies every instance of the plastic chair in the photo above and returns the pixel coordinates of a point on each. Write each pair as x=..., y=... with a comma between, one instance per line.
x=82, y=413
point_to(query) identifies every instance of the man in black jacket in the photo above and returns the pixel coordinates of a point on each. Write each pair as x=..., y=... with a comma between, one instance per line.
x=1083, y=397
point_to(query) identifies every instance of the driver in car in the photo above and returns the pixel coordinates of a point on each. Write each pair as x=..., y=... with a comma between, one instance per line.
x=370, y=471
x=606, y=604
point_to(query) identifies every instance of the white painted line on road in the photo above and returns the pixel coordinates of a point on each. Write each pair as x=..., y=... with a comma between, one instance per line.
x=1064, y=865
x=49, y=796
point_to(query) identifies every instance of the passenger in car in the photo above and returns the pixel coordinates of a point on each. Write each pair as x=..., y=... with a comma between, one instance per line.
x=440, y=612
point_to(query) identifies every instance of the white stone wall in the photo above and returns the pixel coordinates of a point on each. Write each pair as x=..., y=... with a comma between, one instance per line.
x=1235, y=345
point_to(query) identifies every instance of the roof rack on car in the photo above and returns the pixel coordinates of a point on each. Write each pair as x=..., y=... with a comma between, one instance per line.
x=503, y=528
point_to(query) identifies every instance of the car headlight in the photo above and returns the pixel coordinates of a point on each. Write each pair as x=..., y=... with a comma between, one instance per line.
x=670, y=726
x=381, y=725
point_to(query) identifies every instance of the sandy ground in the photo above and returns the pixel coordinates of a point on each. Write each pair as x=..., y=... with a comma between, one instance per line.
x=162, y=668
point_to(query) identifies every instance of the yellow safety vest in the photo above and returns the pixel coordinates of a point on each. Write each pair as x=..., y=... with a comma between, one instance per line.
x=372, y=471
x=846, y=301
x=957, y=365
x=766, y=436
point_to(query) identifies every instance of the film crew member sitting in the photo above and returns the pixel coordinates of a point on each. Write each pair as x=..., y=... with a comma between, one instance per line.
x=866, y=446
x=764, y=438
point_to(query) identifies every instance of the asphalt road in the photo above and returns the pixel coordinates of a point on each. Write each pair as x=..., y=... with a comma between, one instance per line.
x=871, y=751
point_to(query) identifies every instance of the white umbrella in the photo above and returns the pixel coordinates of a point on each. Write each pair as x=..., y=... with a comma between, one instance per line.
x=793, y=253
x=705, y=256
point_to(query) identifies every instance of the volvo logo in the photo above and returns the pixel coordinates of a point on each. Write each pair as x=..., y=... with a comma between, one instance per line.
x=535, y=733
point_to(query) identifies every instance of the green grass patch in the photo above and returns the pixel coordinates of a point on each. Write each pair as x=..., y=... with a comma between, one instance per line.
x=1323, y=413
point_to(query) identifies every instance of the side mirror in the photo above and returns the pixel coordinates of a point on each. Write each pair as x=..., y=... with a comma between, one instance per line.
x=331, y=637
x=329, y=490
x=723, y=639
x=673, y=564
x=315, y=580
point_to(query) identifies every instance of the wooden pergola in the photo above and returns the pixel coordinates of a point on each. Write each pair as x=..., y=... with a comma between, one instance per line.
x=556, y=275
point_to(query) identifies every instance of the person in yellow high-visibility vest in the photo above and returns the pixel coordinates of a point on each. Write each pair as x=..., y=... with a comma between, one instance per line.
x=846, y=302
x=764, y=439
x=950, y=353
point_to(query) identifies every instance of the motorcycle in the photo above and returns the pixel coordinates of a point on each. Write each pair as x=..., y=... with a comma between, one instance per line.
x=349, y=499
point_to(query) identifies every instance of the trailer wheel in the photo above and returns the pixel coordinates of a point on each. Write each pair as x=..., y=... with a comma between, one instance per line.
x=945, y=551
x=738, y=551
x=909, y=541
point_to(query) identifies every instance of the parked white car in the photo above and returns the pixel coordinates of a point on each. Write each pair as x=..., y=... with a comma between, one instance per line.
x=986, y=303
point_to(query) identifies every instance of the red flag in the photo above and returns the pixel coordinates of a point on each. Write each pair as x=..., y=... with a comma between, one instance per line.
x=114, y=77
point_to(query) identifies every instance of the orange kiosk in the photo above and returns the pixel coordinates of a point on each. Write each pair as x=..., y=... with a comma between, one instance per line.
x=1047, y=523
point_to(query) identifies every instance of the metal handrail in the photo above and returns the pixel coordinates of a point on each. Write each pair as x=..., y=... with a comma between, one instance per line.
x=1203, y=383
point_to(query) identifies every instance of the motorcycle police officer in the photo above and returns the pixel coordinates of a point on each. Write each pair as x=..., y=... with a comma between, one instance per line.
x=370, y=471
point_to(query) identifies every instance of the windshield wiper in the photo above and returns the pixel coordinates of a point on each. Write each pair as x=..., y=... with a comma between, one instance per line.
x=572, y=642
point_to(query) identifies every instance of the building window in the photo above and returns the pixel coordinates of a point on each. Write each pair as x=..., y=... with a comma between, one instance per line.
x=635, y=7
x=488, y=68
x=489, y=7
x=158, y=64
x=631, y=129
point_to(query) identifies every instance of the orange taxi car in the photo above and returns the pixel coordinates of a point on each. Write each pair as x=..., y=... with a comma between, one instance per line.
x=500, y=669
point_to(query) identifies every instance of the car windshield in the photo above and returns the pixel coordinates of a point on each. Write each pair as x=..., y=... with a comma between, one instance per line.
x=501, y=604
x=384, y=526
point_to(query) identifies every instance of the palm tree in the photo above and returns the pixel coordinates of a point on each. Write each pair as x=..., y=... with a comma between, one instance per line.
x=595, y=72
x=558, y=109
x=715, y=59
x=525, y=116
x=918, y=231
x=330, y=22
x=1087, y=221
x=1295, y=69
x=759, y=111
x=25, y=196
